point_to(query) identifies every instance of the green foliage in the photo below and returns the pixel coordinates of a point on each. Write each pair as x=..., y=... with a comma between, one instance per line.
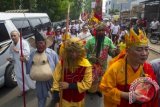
x=56, y=9
x=6, y=5
x=113, y=11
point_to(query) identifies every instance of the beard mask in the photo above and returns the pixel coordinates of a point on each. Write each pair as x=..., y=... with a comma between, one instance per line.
x=99, y=43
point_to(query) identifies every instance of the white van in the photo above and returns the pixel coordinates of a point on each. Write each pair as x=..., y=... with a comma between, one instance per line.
x=24, y=23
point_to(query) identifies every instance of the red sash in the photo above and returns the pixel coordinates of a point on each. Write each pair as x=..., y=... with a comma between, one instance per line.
x=77, y=76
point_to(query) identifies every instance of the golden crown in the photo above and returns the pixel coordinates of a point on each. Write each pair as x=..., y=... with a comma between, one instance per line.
x=134, y=39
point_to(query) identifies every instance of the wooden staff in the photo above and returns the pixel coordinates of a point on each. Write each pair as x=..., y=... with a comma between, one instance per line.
x=62, y=73
x=24, y=100
x=22, y=64
x=67, y=20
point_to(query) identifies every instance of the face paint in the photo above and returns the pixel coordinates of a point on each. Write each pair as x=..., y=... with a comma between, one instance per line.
x=41, y=46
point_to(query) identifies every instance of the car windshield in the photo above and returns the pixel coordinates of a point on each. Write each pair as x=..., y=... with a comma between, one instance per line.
x=4, y=36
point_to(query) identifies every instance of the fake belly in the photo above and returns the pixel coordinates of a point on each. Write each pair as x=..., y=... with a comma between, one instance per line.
x=41, y=73
x=40, y=70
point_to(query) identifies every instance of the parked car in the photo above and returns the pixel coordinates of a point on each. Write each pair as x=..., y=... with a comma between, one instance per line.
x=25, y=23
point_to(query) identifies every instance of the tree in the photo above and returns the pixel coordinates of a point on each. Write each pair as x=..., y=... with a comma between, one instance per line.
x=56, y=9
x=75, y=9
x=7, y=5
x=113, y=11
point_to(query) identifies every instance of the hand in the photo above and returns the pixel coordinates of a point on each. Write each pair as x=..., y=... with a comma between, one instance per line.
x=63, y=85
x=84, y=42
x=117, y=51
x=57, y=105
x=139, y=97
x=15, y=49
x=9, y=59
x=22, y=58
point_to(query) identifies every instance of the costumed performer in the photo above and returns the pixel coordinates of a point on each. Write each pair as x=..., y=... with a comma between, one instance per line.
x=40, y=67
x=73, y=75
x=129, y=66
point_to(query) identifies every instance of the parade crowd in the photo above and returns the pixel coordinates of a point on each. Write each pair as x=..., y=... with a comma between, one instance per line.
x=103, y=58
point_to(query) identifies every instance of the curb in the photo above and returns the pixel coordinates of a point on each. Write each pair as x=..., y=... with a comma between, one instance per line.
x=155, y=50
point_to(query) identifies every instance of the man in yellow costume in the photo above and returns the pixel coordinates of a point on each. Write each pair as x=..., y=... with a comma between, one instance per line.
x=124, y=69
x=72, y=76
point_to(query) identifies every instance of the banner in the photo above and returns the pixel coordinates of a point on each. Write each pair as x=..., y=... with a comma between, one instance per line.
x=122, y=1
x=98, y=10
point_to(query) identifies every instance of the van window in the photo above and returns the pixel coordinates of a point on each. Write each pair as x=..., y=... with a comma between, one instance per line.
x=35, y=23
x=23, y=26
x=46, y=22
x=4, y=36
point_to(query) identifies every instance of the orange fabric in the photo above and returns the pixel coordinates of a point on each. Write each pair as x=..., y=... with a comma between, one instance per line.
x=121, y=55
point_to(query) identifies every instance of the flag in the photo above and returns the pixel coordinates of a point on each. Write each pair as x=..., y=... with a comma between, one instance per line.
x=98, y=10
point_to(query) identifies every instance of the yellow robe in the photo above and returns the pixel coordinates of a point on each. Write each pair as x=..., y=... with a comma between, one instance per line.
x=84, y=85
x=114, y=76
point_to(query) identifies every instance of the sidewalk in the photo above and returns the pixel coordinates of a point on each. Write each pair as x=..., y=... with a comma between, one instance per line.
x=154, y=47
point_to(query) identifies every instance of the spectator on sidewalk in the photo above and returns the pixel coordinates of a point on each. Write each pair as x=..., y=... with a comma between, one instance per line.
x=154, y=25
x=50, y=31
x=57, y=39
x=115, y=31
x=85, y=35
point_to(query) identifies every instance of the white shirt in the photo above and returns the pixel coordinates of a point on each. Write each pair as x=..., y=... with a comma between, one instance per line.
x=86, y=36
x=77, y=27
x=115, y=29
x=154, y=24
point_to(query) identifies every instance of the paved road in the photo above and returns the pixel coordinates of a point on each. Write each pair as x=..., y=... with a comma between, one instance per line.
x=8, y=97
x=155, y=47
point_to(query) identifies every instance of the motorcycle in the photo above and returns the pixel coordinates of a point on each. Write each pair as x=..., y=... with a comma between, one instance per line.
x=155, y=37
